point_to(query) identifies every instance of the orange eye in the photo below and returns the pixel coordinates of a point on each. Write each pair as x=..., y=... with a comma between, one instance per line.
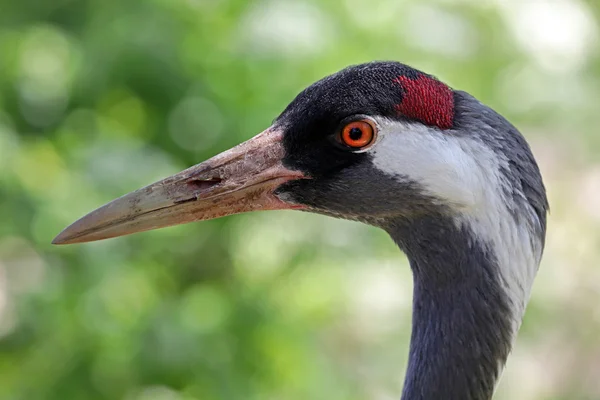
x=358, y=134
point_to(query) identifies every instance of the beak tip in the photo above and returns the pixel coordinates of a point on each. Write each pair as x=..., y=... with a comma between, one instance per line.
x=61, y=238
x=71, y=234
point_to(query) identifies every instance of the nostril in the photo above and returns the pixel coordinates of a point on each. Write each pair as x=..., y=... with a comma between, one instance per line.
x=204, y=184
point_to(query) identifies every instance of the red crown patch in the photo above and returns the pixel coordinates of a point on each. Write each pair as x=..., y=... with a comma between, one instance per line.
x=427, y=100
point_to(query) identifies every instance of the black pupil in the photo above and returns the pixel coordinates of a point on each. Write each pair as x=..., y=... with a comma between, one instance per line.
x=356, y=133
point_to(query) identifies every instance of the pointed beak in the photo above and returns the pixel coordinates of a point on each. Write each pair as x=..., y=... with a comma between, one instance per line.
x=238, y=180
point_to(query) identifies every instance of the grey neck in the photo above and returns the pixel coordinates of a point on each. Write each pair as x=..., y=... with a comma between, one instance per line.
x=462, y=324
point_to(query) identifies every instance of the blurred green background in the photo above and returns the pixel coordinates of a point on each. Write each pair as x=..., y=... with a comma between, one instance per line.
x=99, y=97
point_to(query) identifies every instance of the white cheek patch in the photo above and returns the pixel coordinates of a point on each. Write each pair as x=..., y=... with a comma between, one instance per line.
x=466, y=174
x=428, y=157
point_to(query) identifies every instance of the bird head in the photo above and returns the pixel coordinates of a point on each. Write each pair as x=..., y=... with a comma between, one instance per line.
x=374, y=142
x=452, y=181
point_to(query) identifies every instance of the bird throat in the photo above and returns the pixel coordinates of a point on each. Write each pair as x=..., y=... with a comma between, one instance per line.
x=463, y=323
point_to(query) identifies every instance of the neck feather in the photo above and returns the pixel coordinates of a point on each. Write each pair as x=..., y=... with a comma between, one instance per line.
x=464, y=318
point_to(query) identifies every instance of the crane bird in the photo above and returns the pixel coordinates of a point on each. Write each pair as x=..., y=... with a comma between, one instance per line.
x=451, y=181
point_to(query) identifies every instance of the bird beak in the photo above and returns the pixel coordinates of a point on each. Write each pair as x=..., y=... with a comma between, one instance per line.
x=238, y=180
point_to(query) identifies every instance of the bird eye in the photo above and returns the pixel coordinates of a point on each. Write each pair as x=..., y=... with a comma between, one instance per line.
x=358, y=134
